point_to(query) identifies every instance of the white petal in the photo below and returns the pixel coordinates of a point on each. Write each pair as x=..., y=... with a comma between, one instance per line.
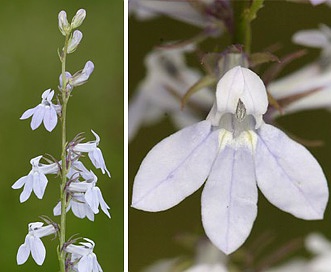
x=50, y=118
x=317, y=244
x=229, y=199
x=311, y=38
x=289, y=176
x=39, y=184
x=23, y=252
x=91, y=197
x=136, y=113
x=57, y=209
x=103, y=204
x=85, y=264
x=242, y=83
x=37, y=117
x=38, y=250
x=28, y=113
x=175, y=168
x=27, y=189
x=20, y=182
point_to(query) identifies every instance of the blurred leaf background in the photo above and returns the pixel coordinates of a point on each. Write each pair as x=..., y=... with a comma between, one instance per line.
x=29, y=65
x=152, y=235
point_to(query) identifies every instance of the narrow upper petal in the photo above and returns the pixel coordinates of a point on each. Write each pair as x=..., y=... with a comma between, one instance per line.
x=241, y=83
x=38, y=250
x=175, y=168
x=289, y=176
x=229, y=199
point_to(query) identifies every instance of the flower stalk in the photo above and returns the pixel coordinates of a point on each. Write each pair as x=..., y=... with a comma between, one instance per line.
x=64, y=166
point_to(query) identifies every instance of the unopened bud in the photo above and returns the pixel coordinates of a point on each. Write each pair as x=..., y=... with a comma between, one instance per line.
x=81, y=77
x=74, y=41
x=63, y=23
x=78, y=18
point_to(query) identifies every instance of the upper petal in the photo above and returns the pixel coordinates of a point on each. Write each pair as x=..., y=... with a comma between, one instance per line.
x=241, y=83
x=289, y=176
x=175, y=168
x=229, y=199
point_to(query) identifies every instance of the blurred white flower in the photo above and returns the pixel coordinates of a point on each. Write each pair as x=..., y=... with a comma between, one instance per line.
x=36, y=179
x=237, y=152
x=33, y=243
x=45, y=112
x=167, y=80
x=309, y=87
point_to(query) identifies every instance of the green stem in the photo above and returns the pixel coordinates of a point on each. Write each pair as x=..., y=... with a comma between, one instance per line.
x=243, y=32
x=63, y=195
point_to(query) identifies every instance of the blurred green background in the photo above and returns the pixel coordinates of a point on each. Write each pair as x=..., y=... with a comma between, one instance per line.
x=30, y=65
x=152, y=235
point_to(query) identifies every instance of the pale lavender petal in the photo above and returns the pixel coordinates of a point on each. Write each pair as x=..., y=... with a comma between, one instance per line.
x=23, y=252
x=39, y=184
x=38, y=250
x=311, y=38
x=103, y=204
x=46, y=94
x=78, y=209
x=229, y=199
x=28, y=113
x=289, y=176
x=50, y=118
x=20, y=182
x=57, y=209
x=85, y=264
x=27, y=189
x=37, y=117
x=98, y=160
x=175, y=168
x=91, y=197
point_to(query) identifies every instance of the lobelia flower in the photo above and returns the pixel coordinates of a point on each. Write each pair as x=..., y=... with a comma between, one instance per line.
x=64, y=25
x=83, y=257
x=94, y=153
x=78, y=18
x=33, y=243
x=168, y=78
x=78, y=206
x=45, y=112
x=36, y=179
x=237, y=152
x=86, y=199
x=310, y=86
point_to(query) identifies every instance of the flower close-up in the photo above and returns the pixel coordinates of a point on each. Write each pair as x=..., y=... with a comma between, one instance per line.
x=33, y=243
x=45, y=112
x=236, y=152
x=36, y=180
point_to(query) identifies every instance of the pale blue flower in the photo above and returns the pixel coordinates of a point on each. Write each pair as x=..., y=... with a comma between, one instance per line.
x=36, y=179
x=82, y=76
x=45, y=112
x=237, y=152
x=83, y=256
x=94, y=153
x=33, y=243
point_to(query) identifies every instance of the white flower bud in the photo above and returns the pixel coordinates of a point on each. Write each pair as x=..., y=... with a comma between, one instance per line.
x=63, y=23
x=74, y=41
x=78, y=18
x=81, y=77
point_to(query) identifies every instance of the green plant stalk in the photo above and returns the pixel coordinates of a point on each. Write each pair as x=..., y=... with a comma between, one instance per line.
x=243, y=31
x=64, y=170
